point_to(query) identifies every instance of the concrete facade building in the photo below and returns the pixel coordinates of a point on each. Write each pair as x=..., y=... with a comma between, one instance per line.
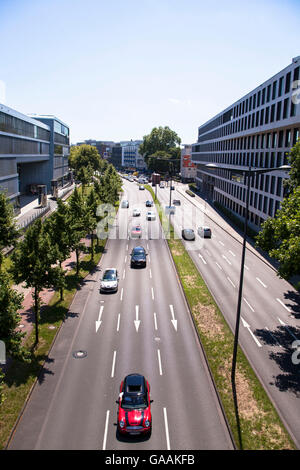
x=258, y=130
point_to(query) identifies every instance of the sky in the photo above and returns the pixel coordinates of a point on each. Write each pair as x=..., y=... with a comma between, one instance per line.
x=113, y=70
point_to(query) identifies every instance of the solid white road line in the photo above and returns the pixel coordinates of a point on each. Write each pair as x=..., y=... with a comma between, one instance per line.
x=248, y=305
x=152, y=293
x=113, y=364
x=159, y=362
x=105, y=430
x=155, y=320
x=278, y=300
x=167, y=429
x=226, y=259
x=260, y=281
x=230, y=281
x=201, y=257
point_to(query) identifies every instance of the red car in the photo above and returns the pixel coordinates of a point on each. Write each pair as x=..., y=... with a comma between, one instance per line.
x=134, y=413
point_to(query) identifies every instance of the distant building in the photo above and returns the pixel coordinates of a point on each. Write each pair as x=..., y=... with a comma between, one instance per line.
x=188, y=169
x=131, y=158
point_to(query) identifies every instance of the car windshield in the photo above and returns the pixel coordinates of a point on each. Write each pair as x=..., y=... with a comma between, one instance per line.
x=138, y=251
x=134, y=402
x=137, y=229
x=110, y=275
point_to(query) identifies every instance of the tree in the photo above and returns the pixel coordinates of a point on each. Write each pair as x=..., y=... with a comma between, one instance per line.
x=33, y=260
x=10, y=304
x=160, y=145
x=92, y=203
x=85, y=160
x=58, y=227
x=280, y=236
x=77, y=224
x=8, y=230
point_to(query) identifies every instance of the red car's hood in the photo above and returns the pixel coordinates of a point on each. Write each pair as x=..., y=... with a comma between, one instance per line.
x=134, y=417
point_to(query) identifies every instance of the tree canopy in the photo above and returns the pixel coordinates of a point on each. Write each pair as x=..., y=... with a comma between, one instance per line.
x=160, y=146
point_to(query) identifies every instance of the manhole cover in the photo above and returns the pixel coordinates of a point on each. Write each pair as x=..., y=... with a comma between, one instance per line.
x=79, y=354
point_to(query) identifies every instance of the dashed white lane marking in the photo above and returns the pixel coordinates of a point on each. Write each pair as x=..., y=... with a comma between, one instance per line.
x=260, y=281
x=219, y=266
x=159, y=362
x=230, y=281
x=278, y=300
x=251, y=308
x=201, y=257
x=105, y=431
x=167, y=429
x=113, y=364
x=226, y=259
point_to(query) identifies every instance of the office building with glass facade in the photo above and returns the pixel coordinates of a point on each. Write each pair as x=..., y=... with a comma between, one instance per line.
x=256, y=131
x=31, y=152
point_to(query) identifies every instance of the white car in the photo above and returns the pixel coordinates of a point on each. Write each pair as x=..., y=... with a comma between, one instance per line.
x=136, y=212
x=125, y=204
x=150, y=215
x=109, y=281
x=141, y=187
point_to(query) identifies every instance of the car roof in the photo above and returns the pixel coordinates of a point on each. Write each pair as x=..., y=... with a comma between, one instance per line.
x=134, y=383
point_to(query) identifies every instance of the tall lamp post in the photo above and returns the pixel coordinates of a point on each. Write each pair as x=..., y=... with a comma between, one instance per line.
x=249, y=174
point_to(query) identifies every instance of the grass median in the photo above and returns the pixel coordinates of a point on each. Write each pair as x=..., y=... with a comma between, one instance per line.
x=21, y=376
x=259, y=424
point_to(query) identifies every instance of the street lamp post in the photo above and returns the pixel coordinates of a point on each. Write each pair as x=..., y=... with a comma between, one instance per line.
x=249, y=173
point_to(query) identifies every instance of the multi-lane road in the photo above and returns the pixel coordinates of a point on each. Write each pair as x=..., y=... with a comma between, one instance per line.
x=146, y=328
x=269, y=329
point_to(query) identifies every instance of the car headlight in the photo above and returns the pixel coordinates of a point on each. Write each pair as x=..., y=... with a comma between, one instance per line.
x=147, y=423
x=122, y=423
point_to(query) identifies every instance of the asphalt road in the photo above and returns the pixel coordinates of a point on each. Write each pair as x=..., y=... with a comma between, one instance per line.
x=145, y=327
x=270, y=310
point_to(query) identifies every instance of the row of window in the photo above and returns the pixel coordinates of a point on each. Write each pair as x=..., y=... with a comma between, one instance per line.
x=284, y=138
x=61, y=139
x=265, y=204
x=270, y=184
x=274, y=113
x=9, y=145
x=270, y=92
x=15, y=125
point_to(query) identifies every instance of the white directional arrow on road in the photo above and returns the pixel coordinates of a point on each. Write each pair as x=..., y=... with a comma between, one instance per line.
x=246, y=325
x=174, y=322
x=137, y=321
x=98, y=322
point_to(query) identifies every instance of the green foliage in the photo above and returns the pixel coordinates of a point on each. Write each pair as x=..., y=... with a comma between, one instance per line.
x=8, y=231
x=160, y=150
x=10, y=303
x=280, y=236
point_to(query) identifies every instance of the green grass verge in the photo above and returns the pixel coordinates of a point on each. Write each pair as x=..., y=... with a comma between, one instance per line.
x=260, y=425
x=21, y=376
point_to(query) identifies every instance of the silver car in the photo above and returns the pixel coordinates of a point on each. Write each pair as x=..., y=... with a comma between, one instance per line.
x=109, y=281
x=188, y=234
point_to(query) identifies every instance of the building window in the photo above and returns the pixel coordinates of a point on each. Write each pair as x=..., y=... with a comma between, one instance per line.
x=285, y=108
x=280, y=86
x=274, y=90
x=287, y=82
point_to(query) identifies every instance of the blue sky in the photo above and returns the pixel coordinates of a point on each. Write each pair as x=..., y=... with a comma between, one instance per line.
x=113, y=70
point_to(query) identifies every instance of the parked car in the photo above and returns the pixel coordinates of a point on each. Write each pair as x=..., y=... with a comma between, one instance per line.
x=204, y=232
x=150, y=215
x=136, y=232
x=134, y=410
x=141, y=187
x=138, y=257
x=125, y=204
x=188, y=234
x=176, y=202
x=170, y=209
x=149, y=203
x=172, y=188
x=136, y=212
x=109, y=281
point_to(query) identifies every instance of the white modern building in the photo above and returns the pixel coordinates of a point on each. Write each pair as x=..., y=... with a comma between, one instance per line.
x=258, y=130
x=131, y=158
